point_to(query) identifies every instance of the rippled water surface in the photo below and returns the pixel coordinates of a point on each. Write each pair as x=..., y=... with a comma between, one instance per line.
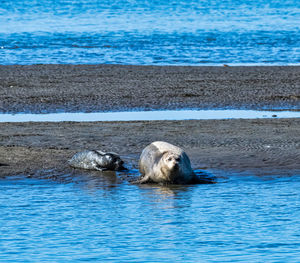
x=150, y=32
x=98, y=218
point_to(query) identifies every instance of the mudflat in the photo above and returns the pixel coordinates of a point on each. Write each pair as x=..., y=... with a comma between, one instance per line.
x=86, y=88
x=252, y=147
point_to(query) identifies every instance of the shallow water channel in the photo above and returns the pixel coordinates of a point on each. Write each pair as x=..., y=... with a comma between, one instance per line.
x=98, y=218
x=149, y=115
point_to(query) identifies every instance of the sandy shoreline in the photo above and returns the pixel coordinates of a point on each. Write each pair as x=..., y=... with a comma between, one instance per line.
x=257, y=147
x=260, y=147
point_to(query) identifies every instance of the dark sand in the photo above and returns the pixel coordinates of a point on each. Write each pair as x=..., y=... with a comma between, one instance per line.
x=259, y=147
x=52, y=88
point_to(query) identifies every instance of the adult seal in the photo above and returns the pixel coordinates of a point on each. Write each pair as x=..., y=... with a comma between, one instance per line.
x=164, y=163
x=97, y=160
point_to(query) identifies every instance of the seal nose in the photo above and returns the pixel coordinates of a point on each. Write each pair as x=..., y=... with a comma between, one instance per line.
x=176, y=166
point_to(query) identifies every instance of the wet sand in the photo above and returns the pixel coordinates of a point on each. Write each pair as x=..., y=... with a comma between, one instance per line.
x=86, y=88
x=250, y=147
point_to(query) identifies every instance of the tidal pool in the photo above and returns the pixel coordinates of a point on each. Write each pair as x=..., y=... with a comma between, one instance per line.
x=96, y=217
x=149, y=115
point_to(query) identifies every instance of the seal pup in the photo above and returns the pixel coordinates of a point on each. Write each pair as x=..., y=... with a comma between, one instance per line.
x=164, y=163
x=97, y=160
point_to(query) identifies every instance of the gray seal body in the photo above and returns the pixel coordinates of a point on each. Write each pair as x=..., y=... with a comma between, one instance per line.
x=97, y=160
x=162, y=162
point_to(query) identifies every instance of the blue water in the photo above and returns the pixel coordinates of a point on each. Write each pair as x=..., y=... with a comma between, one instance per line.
x=96, y=218
x=148, y=115
x=216, y=32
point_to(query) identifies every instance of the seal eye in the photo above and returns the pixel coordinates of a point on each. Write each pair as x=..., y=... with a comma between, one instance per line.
x=169, y=159
x=109, y=157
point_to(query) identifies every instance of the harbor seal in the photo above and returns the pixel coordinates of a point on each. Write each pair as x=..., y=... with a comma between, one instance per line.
x=162, y=162
x=97, y=160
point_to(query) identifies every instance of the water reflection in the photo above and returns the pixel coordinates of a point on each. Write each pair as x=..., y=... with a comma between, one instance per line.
x=164, y=191
x=93, y=181
x=106, y=218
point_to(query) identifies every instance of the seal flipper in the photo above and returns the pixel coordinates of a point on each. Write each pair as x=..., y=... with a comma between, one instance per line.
x=122, y=168
x=145, y=179
x=101, y=169
x=97, y=167
x=202, y=180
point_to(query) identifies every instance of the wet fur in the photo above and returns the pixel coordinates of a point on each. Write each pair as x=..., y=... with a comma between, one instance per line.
x=155, y=167
x=97, y=160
